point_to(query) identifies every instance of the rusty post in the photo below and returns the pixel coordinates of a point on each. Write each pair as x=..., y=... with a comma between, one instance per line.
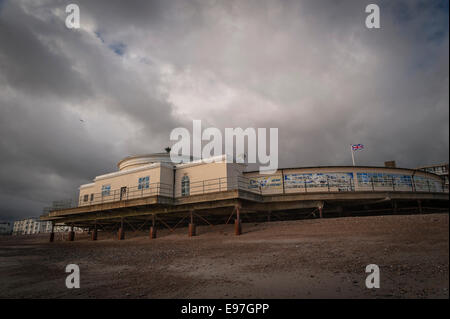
x=237, y=222
x=71, y=234
x=192, y=228
x=237, y=227
x=153, y=228
x=94, y=232
x=320, y=208
x=152, y=232
x=121, y=235
x=340, y=210
x=121, y=230
x=52, y=234
x=394, y=206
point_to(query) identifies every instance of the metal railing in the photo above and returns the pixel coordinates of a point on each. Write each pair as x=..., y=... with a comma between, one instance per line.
x=125, y=193
x=217, y=185
x=274, y=184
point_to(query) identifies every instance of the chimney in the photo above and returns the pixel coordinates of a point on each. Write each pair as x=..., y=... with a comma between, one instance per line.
x=390, y=164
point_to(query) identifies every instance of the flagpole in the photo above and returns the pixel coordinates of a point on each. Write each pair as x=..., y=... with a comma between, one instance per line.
x=353, y=156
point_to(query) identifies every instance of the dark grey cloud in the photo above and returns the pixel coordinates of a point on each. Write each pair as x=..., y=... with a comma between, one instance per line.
x=74, y=102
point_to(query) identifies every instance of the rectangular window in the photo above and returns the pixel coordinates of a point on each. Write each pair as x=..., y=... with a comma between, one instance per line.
x=143, y=182
x=86, y=197
x=92, y=197
x=106, y=189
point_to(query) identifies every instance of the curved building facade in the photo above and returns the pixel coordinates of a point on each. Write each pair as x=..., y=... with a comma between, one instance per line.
x=142, y=160
x=345, y=178
x=155, y=174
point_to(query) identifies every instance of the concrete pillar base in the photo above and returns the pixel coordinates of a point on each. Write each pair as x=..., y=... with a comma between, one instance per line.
x=152, y=232
x=71, y=236
x=52, y=237
x=237, y=227
x=94, y=234
x=121, y=234
x=192, y=230
x=394, y=206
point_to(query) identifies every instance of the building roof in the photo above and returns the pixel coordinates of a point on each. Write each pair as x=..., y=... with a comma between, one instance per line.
x=348, y=167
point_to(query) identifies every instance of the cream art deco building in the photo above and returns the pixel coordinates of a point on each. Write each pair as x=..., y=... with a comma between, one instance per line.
x=151, y=186
x=155, y=174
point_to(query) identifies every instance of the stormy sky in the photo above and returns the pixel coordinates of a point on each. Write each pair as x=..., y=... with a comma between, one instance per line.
x=74, y=102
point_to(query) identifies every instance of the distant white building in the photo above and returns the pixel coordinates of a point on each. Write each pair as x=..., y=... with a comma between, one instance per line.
x=30, y=226
x=438, y=169
x=5, y=228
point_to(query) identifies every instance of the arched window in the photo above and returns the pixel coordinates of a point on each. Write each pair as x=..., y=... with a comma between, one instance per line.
x=185, y=186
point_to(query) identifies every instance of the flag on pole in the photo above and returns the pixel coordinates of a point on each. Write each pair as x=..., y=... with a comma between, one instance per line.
x=356, y=147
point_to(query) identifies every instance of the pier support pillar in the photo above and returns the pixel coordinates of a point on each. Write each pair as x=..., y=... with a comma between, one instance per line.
x=152, y=232
x=237, y=227
x=153, y=227
x=71, y=236
x=340, y=210
x=192, y=227
x=52, y=234
x=94, y=232
x=192, y=230
x=237, y=222
x=121, y=233
x=320, y=208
